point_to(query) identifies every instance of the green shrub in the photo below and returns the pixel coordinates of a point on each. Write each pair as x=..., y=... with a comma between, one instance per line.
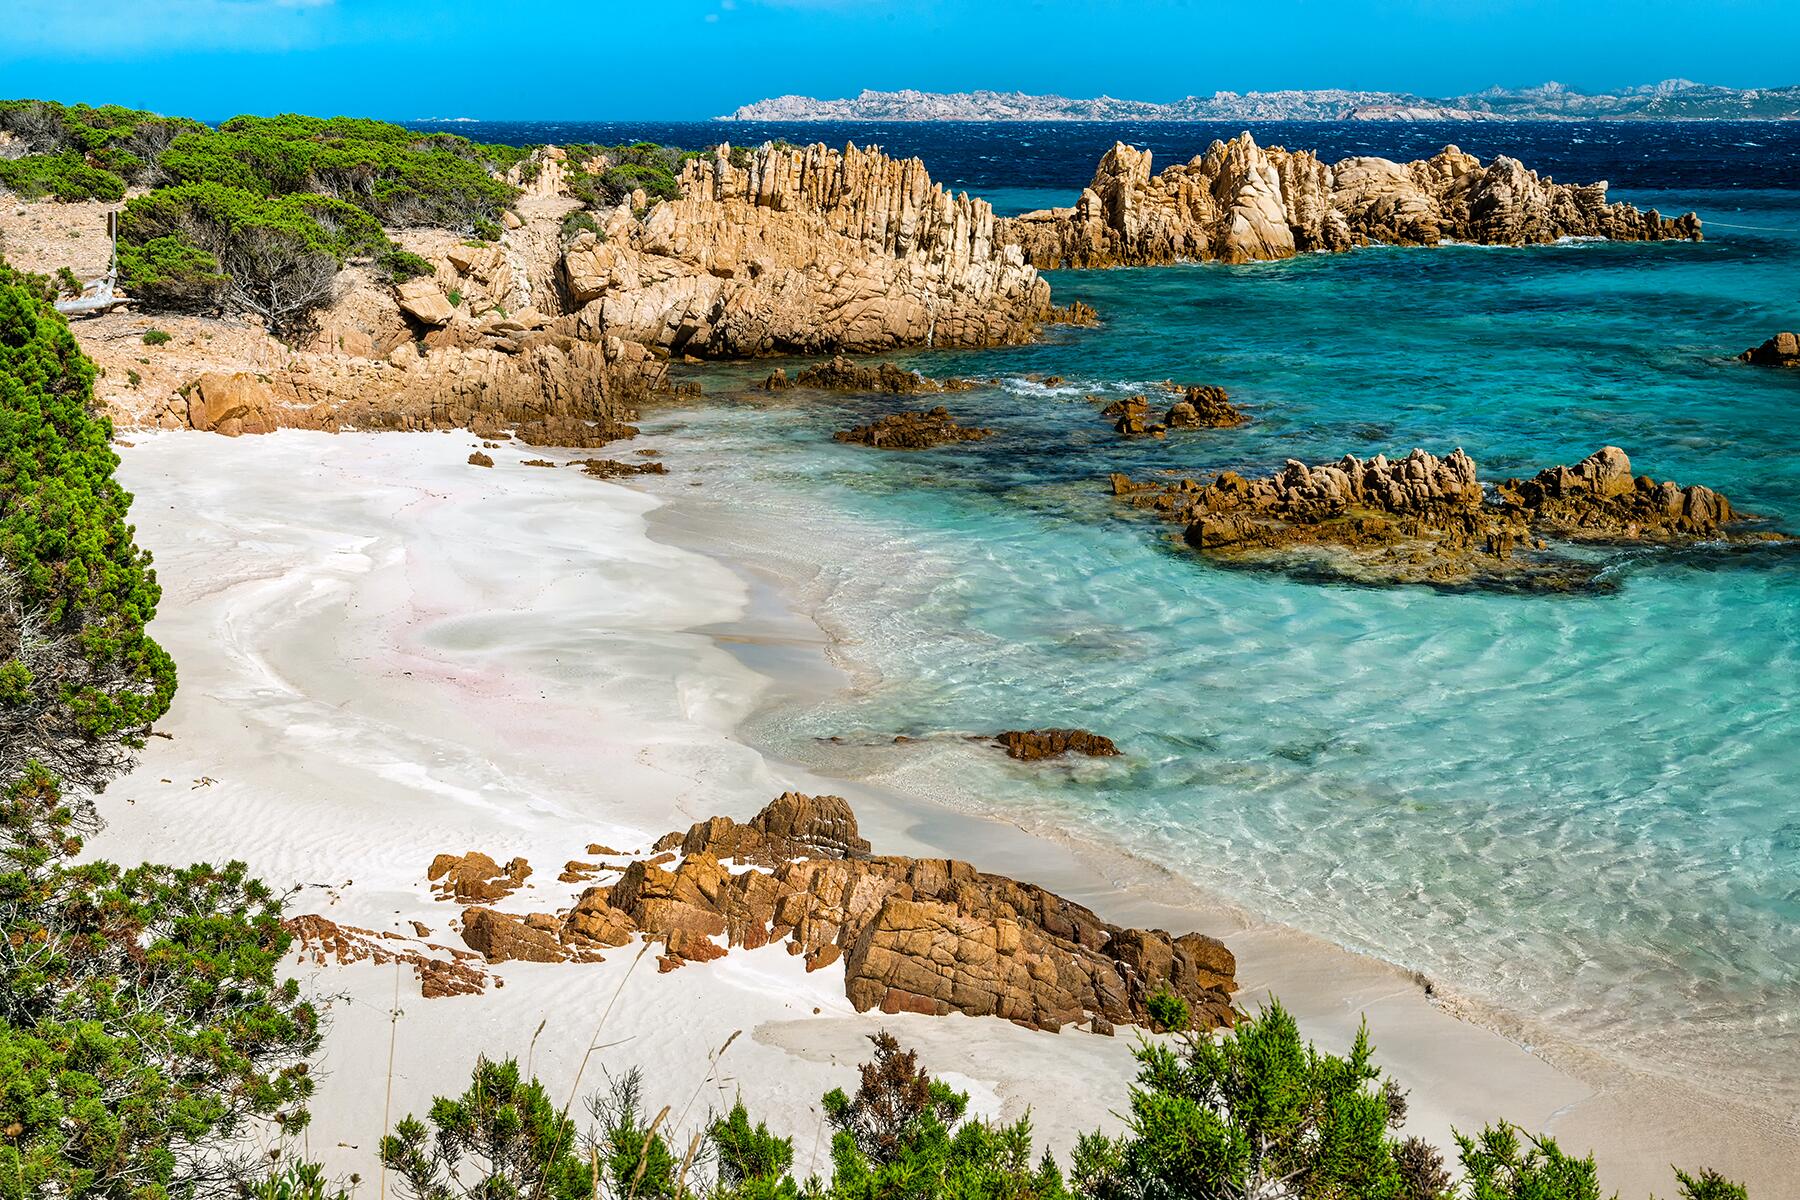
x=69, y=572
x=578, y=222
x=156, y=337
x=67, y=282
x=401, y=265
x=202, y=245
x=146, y=1033
x=396, y=175
x=501, y=1138
x=66, y=176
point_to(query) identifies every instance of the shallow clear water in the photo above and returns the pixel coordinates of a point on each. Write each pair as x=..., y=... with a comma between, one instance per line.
x=1581, y=809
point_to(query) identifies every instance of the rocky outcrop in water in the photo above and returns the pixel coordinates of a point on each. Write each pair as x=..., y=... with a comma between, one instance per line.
x=912, y=431
x=1240, y=202
x=1200, y=407
x=921, y=935
x=805, y=251
x=1424, y=519
x=840, y=374
x=1782, y=350
x=1035, y=745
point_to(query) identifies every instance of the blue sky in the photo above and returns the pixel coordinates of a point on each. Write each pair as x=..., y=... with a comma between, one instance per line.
x=698, y=58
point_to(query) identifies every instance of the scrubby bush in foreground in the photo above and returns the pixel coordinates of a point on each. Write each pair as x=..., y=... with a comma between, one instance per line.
x=143, y=1030
x=80, y=679
x=1257, y=1114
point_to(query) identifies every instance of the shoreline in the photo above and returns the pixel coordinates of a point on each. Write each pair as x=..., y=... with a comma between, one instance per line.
x=1584, y=1097
x=342, y=754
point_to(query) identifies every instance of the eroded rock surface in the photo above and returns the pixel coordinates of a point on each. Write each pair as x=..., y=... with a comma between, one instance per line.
x=806, y=251
x=913, y=934
x=912, y=431
x=1240, y=202
x=474, y=877
x=1424, y=519
x=325, y=941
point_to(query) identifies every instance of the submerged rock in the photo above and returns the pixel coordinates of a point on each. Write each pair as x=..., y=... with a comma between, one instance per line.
x=612, y=468
x=1033, y=745
x=1424, y=519
x=1782, y=350
x=840, y=374
x=1240, y=202
x=912, y=431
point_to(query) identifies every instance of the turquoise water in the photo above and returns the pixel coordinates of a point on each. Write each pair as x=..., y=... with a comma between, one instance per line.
x=1580, y=809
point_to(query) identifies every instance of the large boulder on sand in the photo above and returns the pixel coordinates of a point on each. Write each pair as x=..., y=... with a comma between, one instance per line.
x=230, y=403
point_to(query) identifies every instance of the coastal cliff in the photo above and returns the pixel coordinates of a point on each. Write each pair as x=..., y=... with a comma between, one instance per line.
x=567, y=318
x=1241, y=202
x=807, y=250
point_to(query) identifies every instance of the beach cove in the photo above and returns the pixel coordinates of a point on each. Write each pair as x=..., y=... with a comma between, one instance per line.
x=388, y=654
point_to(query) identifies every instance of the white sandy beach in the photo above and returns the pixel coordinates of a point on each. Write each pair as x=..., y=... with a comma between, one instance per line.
x=386, y=653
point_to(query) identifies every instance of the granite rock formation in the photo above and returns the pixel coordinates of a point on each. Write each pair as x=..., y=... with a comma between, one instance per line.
x=1782, y=350
x=805, y=251
x=913, y=934
x=1424, y=519
x=468, y=878
x=912, y=431
x=1240, y=202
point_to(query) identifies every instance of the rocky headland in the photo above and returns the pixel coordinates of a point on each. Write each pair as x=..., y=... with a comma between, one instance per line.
x=1425, y=519
x=560, y=326
x=1671, y=99
x=1241, y=202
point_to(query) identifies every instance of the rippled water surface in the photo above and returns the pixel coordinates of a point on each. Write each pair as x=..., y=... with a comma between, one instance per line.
x=1583, y=809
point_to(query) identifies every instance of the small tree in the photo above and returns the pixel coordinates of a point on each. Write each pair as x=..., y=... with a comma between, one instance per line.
x=1258, y=1113
x=635, y=1158
x=1505, y=1163
x=902, y=1135
x=502, y=1139
x=143, y=1031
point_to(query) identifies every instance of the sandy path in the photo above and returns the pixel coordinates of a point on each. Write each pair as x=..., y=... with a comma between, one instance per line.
x=386, y=653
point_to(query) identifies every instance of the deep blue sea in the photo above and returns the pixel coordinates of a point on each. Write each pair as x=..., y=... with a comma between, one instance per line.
x=1582, y=809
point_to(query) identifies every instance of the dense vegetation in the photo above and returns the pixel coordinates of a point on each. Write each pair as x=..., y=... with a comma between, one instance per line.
x=83, y=153
x=1258, y=1114
x=142, y=1028
x=645, y=166
x=259, y=215
x=80, y=679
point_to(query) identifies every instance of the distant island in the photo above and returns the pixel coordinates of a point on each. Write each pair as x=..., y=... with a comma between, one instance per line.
x=1670, y=100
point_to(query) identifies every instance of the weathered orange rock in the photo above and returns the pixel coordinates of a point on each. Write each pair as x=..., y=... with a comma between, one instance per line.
x=326, y=941
x=474, y=877
x=501, y=937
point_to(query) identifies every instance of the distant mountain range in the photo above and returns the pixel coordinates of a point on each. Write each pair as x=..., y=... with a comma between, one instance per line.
x=1670, y=100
